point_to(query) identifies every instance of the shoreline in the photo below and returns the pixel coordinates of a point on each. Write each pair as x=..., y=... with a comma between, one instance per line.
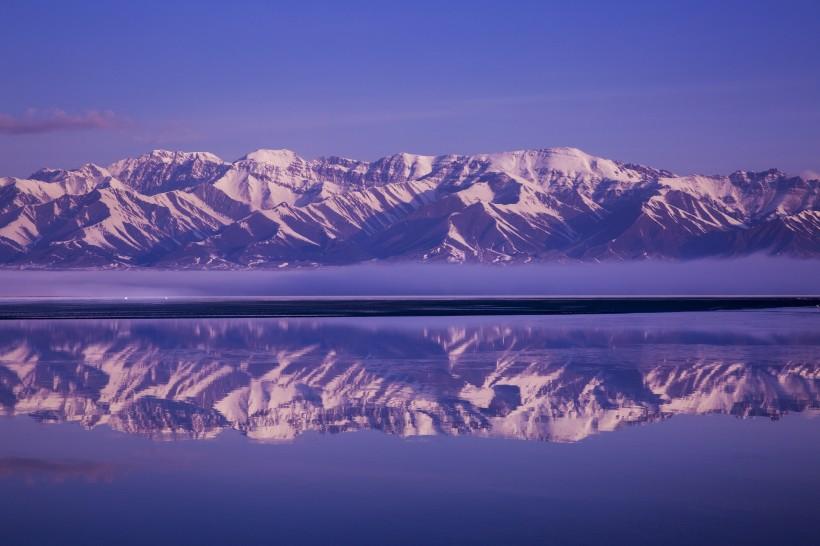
x=243, y=307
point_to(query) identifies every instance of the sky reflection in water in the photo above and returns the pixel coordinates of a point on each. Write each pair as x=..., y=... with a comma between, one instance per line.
x=406, y=386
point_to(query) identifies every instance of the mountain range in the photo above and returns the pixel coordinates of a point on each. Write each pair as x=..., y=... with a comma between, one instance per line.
x=272, y=208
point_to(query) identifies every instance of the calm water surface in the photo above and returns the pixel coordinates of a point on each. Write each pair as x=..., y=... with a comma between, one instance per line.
x=690, y=428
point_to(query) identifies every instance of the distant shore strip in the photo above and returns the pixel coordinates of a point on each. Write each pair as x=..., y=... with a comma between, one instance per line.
x=18, y=309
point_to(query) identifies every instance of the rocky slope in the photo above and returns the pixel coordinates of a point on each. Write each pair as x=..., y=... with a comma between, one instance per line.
x=272, y=208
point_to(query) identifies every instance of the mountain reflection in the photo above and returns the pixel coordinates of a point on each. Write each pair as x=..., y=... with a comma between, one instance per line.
x=552, y=378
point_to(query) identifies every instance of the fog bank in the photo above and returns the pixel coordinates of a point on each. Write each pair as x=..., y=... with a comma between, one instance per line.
x=756, y=275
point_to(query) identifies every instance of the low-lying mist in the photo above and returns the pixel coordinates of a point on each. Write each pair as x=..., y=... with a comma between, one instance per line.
x=757, y=275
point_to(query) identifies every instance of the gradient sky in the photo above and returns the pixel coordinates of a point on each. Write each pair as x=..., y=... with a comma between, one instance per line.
x=689, y=86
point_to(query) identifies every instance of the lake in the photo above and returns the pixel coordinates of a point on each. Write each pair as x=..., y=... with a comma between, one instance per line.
x=673, y=428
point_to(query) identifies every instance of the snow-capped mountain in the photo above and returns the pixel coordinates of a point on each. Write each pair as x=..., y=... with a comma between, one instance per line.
x=272, y=207
x=276, y=379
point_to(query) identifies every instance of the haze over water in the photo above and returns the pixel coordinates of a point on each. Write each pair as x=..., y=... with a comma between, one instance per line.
x=755, y=275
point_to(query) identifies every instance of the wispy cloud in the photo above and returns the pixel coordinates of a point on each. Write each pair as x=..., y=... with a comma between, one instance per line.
x=58, y=471
x=50, y=121
x=811, y=175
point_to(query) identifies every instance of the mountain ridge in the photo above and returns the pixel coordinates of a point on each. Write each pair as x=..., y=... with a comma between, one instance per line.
x=273, y=208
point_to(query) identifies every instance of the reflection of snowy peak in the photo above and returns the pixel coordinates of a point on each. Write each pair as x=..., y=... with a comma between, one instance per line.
x=270, y=207
x=735, y=389
x=274, y=380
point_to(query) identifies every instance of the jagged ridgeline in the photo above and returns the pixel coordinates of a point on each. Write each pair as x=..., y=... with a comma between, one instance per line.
x=273, y=208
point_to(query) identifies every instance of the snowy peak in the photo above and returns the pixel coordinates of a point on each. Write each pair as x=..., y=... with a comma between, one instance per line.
x=75, y=181
x=87, y=171
x=278, y=166
x=161, y=170
x=762, y=177
x=400, y=168
x=267, y=178
x=570, y=162
x=174, y=156
x=281, y=158
x=566, y=163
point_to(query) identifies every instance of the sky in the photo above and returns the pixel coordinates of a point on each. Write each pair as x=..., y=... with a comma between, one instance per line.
x=705, y=87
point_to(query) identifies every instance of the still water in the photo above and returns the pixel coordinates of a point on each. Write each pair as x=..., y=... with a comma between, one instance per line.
x=643, y=429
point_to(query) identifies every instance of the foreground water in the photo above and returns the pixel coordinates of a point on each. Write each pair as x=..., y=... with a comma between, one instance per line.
x=666, y=428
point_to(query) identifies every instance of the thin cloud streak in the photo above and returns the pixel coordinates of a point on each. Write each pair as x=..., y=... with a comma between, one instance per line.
x=49, y=121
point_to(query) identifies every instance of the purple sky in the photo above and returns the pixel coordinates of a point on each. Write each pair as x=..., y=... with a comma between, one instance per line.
x=689, y=86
